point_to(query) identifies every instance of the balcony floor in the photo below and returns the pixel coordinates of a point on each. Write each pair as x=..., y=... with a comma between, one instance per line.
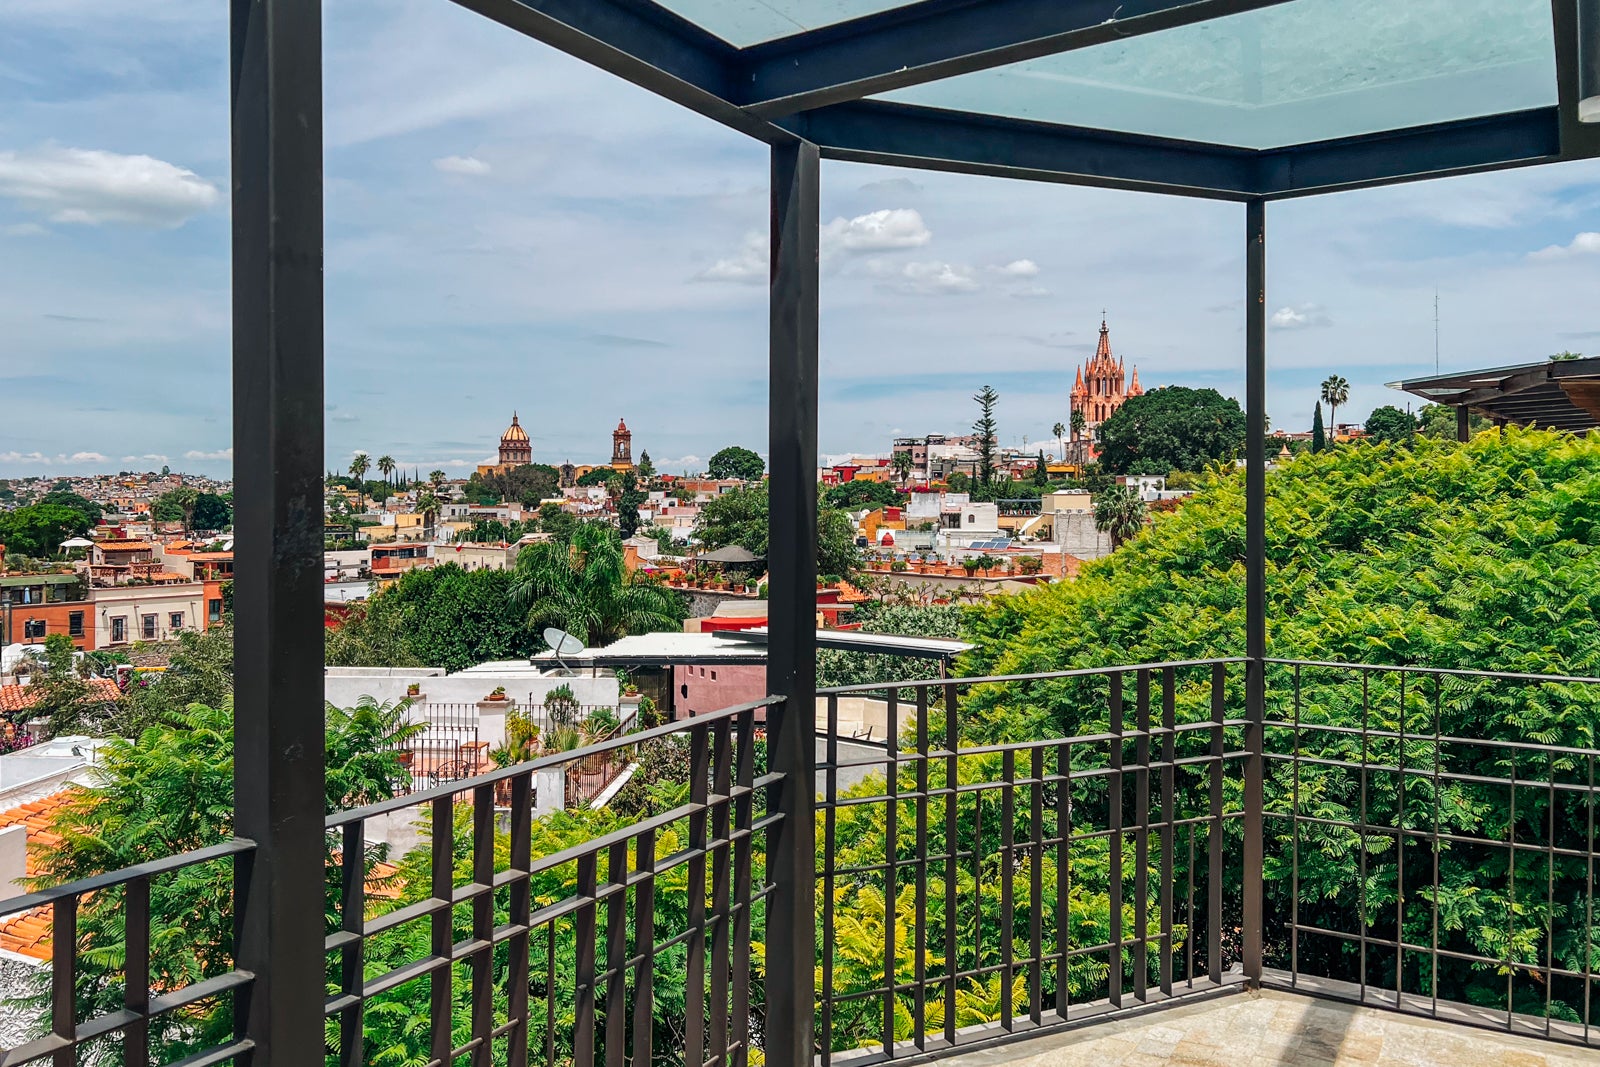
x=1269, y=1028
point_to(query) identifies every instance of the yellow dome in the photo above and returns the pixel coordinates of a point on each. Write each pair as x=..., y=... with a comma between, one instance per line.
x=514, y=432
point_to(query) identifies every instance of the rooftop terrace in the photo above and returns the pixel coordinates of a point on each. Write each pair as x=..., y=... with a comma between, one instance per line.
x=1192, y=845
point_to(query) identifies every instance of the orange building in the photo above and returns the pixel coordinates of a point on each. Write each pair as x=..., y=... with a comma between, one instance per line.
x=1102, y=386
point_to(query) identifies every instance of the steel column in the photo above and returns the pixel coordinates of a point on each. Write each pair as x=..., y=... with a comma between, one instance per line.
x=1463, y=425
x=1255, y=391
x=792, y=641
x=278, y=460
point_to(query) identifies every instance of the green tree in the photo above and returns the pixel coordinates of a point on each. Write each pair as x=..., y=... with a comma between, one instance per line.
x=984, y=428
x=1319, y=435
x=526, y=484
x=76, y=502
x=1438, y=421
x=1390, y=424
x=442, y=616
x=171, y=791
x=176, y=505
x=1041, y=472
x=436, y=479
x=598, y=476
x=586, y=589
x=647, y=467
x=1059, y=431
x=557, y=522
x=902, y=464
x=853, y=495
x=38, y=529
x=1335, y=393
x=1120, y=514
x=1174, y=428
x=736, y=462
x=358, y=470
x=1483, y=556
x=739, y=517
x=1080, y=422
x=628, y=501
x=212, y=512
x=428, y=508
x=386, y=468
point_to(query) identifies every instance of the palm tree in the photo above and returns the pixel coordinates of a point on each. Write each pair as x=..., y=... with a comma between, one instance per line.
x=428, y=506
x=1080, y=422
x=436, y=479
x=1335, y=391
x=358, y=470
x=1059, y=430
x=901, y=462
x=1119, y=513
x=585, y=589
x=386, y=465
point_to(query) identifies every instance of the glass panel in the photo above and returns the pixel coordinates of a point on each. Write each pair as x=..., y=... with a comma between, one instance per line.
x=1304, y=71
x=747, y=22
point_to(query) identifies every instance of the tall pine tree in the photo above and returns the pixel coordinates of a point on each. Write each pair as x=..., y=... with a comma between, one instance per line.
x=1319, y=436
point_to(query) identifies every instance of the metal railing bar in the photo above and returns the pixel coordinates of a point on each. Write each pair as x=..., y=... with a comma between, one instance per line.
x=1078, y=672
x=1449, y=672
x=560, y=759
x=111, y=879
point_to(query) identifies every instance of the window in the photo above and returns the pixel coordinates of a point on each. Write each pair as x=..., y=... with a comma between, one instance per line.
x=147, y=627
x=214, y=611
x=75, y=624
x=32, y=628
x=175, y=621
x=119, y=629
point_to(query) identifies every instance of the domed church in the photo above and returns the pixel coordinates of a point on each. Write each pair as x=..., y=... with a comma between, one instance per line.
x=515, y=450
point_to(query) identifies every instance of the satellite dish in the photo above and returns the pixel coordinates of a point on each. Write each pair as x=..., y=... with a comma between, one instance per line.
x=562, y=644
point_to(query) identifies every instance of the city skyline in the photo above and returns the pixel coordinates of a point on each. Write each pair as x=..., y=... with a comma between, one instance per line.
x=486, y=233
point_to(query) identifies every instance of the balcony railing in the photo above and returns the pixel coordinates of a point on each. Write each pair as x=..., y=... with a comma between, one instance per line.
x=995, y=868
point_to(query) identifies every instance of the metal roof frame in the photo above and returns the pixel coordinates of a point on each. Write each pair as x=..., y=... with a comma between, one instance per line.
x=813, y=86
x=1528, y=394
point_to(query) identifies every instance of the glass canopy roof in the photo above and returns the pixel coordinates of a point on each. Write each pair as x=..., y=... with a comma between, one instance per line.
x=1304, y=71
x=746, y=22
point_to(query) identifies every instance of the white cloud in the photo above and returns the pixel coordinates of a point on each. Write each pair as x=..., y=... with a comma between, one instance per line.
x=60, y=460
x=469, y=165
x=147, y=457
x=1585, y=244
x=926, y=276
x=1017, y=268
x=1298, y=317
x=681, y=463
x=24, y=229
x=888, y=230
x=748, y=266
x=877, y=231
x=220, y=454
x=90, y=187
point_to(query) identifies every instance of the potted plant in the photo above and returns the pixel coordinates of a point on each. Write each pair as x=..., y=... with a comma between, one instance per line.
x=970, y=565
x=413, y=689
x=897, y=566
x=498, y=694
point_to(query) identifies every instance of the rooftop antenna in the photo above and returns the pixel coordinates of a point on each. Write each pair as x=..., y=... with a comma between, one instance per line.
x=562, y=644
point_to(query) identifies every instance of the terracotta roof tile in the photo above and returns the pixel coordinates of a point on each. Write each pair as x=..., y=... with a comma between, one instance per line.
x=14, y=698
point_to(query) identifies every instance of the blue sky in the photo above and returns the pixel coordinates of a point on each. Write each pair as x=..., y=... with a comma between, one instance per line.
x=507, y=228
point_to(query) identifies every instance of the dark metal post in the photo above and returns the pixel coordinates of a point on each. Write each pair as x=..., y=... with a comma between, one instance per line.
x=1255, y=392
x=1463, y=425
x=792, y=606
x=277, y=439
